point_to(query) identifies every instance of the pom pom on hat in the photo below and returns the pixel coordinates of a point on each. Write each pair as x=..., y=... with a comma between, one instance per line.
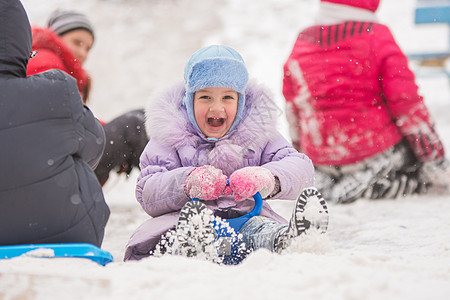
x=371, y=5
x=62, y=21
x=215, y=66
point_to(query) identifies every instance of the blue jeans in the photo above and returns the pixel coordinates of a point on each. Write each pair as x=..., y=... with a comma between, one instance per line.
x=261, y=232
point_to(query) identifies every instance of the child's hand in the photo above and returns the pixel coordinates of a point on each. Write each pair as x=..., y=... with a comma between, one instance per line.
x=247, y=181
x=205, y=183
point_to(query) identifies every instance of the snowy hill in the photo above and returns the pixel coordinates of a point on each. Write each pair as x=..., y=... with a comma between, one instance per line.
x=386, y=249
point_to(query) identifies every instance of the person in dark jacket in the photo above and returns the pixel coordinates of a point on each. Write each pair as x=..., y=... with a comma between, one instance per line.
x=50, y=142
x=65, y=44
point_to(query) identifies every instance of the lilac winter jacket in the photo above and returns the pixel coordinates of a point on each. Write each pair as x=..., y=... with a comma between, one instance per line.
x=176, y=148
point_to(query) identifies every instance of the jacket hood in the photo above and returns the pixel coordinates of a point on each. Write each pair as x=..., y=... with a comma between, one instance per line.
x=15, y=39
x=215, y=66
x=167, y=121
x=335, y=13
x=46, y=39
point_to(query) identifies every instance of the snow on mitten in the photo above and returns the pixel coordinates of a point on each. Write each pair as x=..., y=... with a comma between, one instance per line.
x=205, y=183
x=247, y=181
x=437, y=174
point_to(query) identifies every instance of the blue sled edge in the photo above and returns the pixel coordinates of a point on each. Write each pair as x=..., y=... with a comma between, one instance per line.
x=77, y=250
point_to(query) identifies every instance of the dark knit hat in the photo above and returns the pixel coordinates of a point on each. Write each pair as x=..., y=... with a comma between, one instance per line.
x=63, y=21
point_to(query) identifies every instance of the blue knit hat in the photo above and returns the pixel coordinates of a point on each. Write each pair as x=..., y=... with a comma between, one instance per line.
x=215, y=66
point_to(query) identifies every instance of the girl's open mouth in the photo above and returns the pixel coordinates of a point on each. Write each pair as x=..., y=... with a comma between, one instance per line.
x=216, y=122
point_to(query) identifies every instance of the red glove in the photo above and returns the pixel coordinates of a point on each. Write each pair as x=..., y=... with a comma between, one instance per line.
x=205, y=183
x=247, y=181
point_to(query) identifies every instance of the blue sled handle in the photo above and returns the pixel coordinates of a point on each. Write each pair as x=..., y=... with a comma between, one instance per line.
x=78, y=250
x=237, y=223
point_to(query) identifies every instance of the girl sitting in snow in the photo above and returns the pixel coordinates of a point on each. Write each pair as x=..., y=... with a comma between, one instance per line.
x=213, y=127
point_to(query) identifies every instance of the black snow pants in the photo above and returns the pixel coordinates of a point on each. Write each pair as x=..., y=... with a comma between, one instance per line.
x=125, y=140
x=391, y=174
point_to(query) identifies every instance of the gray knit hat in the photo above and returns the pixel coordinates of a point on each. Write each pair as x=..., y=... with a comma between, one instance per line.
x=63, y=21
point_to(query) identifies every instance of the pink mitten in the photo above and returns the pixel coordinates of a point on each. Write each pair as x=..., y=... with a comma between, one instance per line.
x=205, y=183
x=247, y=181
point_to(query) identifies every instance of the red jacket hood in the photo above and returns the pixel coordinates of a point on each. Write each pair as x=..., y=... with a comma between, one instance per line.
x=54, y=54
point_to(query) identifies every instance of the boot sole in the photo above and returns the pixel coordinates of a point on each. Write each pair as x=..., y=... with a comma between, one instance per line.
x=311, y=211
x=193, y=234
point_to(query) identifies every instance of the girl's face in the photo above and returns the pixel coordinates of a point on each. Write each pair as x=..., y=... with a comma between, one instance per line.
x=79, y=42
x=215, y=109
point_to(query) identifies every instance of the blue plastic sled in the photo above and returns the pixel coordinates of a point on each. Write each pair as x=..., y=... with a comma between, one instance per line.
x=233, y=256
x=77, y=250
x=237, y=223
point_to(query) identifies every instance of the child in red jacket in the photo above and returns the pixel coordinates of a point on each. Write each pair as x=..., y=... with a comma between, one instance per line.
x=354, y=108
x=65, y=45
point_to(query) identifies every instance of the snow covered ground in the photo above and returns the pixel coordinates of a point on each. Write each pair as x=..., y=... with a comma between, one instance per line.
x=386, y=249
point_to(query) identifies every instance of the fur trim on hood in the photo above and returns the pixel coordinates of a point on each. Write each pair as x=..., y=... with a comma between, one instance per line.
x=167, y=121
